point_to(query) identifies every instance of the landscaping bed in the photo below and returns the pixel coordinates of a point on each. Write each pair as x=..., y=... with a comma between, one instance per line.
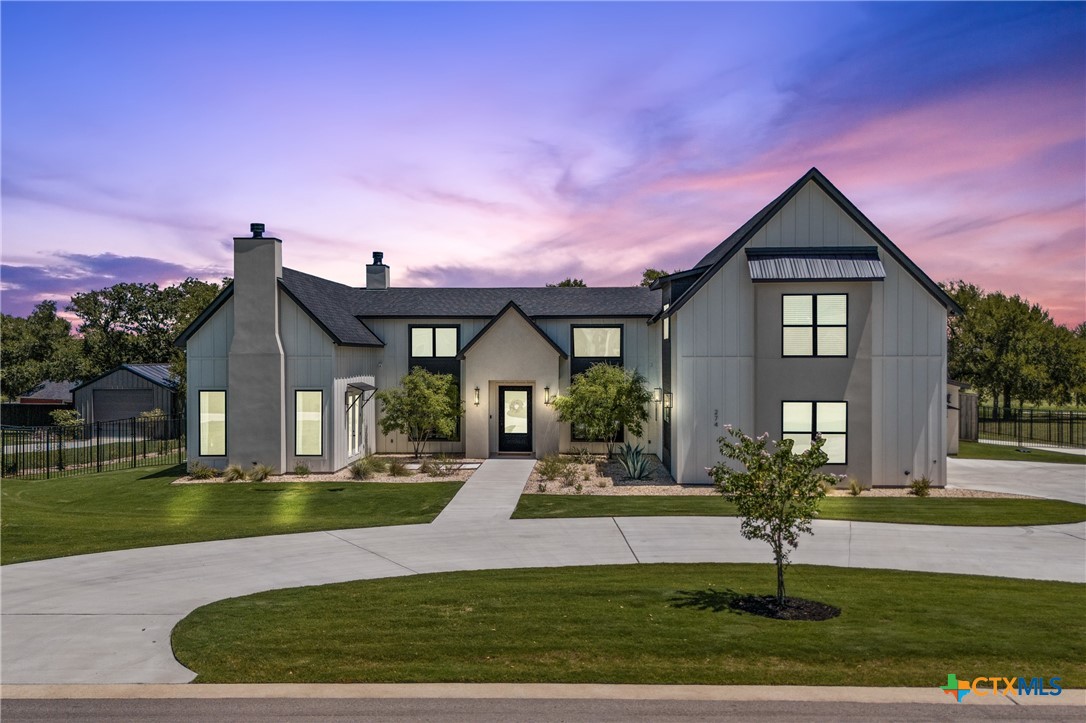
x=415, y=471
x=595, y=475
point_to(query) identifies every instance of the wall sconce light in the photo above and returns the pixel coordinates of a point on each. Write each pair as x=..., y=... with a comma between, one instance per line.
x=656, y=400
x=667, y=400
x=547, y=395
x=477, y=396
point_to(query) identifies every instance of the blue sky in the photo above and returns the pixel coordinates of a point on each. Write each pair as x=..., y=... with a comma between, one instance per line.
x=499, y=144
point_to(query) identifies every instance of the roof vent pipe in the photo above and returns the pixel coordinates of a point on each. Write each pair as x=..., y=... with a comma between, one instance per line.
x=377, y=274
x=257, y=230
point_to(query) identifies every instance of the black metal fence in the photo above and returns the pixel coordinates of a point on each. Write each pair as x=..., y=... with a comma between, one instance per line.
x=69, y=450
x=1033, y=427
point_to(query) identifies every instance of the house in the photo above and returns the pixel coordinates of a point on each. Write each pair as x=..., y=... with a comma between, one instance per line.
x=806, y=320
x=49, y=392
x=126, y=391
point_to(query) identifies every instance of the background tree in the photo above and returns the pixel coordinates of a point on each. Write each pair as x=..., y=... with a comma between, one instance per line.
x=37, y=348
x=603, y=400
x=1011, y=350
x=776, y=494
x=425, y=405
x=569, y=281
x=650, y=275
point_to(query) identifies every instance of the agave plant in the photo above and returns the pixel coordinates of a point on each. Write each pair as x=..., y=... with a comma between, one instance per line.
x=634, y=461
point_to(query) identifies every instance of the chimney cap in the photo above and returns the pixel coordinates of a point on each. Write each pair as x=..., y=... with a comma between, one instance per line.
x=378, y=258
x=257, y=230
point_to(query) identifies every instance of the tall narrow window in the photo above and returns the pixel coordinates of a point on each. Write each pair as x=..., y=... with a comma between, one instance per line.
x=354, y=423
x=800, y=421
x=434, y=348
x=667, y=323
x=814, y=325
x=591, y=345
x=308, y=423
x=212, y=424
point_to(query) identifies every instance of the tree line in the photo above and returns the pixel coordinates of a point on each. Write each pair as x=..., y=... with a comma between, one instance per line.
x=1012, y=352
x=127, y=323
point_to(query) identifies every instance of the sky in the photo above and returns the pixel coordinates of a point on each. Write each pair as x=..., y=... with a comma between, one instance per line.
x=515, y=144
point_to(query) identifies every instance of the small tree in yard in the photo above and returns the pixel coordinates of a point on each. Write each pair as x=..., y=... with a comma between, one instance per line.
x=425, y=405
x=603, y=400
x=777, y=493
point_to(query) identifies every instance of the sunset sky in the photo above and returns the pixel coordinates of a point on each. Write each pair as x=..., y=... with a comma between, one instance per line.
x=515, y=144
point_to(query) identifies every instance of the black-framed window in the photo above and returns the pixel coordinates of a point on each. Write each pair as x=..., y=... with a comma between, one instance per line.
x=591, y=344
x=814, y=325
x=801, y=421
x=308, y=423
x=434, y=347
x=212, y=415
x=594, y=344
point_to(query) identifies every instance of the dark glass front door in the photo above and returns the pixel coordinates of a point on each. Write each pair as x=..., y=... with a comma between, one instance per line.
x=514, y=419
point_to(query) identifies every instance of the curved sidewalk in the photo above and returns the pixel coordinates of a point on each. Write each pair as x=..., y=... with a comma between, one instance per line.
x=107, y=617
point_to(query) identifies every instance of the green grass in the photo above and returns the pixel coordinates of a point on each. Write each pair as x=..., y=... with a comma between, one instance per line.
x=641, y=624
x=979, y=450
x=140, y=508
x=908, y=510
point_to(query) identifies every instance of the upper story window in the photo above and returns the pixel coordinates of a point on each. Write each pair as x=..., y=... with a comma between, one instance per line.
x=814, y=325
x=667, y=323
x=801, y=421
x=429, y=342
x=594, y=344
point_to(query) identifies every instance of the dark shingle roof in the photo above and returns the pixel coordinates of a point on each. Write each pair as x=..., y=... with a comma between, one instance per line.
x=338, y=308
x=51, y=390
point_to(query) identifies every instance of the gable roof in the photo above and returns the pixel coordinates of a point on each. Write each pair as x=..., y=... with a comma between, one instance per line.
x=155, y=373
x=715, y=259
x=512, y=306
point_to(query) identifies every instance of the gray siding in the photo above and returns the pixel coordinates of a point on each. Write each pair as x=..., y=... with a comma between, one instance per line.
x=714, y=354
x=310, y=366
x=83, y=399
x=208, y=351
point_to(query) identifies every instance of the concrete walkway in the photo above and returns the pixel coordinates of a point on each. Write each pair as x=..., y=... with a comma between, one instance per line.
x=490, y=494
x=107, y=617
x=1037, y=479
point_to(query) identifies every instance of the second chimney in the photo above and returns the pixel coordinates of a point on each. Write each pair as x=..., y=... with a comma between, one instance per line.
x=377, y=272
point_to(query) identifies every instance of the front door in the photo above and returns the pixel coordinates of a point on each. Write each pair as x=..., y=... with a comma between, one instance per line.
x=514, y=419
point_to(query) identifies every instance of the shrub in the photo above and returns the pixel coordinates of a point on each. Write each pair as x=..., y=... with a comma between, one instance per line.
x=260, y=472
x=359, y=469
x=301, y=470
x=582, y=455
x=152, y=414
x=233, y=473
x=199, y=470
x=569, y=475
x=920, y=487
x=552, y=467
x=542, y=486
x=440, y=466
x=854, y=487
x=634, y=461
x=579, y=488
x=397, y=468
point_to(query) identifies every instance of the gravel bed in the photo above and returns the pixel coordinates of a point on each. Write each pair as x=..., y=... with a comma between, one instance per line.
x=344, y=475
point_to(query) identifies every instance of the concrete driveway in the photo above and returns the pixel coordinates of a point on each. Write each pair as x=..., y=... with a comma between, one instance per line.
x=1037, y=479
x=107, y=617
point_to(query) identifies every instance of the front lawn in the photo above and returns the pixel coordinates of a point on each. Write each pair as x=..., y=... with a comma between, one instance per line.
x=140, y=508
x=641, y=624
x=979, y=450
x=972, y=511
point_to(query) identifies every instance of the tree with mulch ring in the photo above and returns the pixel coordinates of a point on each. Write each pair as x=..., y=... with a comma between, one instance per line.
x=776, y=494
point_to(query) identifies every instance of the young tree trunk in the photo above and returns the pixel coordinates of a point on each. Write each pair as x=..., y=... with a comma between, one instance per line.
x=1006, y=402
x=780, y=576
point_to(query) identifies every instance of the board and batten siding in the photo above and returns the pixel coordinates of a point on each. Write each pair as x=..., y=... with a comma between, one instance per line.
x=713, y=353
x=207, y=354
x=310, y=365
x=121, y=380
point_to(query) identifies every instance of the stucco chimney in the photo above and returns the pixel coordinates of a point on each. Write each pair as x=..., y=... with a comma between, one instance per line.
x=377, y=276
x=255, y=422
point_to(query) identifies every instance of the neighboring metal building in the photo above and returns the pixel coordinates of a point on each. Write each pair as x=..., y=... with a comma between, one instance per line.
x=124, y=392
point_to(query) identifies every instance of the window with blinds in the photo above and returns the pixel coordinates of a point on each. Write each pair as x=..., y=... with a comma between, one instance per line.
x=814, y=325
x=801, y=421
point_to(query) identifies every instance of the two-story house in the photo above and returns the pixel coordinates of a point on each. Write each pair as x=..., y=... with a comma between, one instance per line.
x=806, y=320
